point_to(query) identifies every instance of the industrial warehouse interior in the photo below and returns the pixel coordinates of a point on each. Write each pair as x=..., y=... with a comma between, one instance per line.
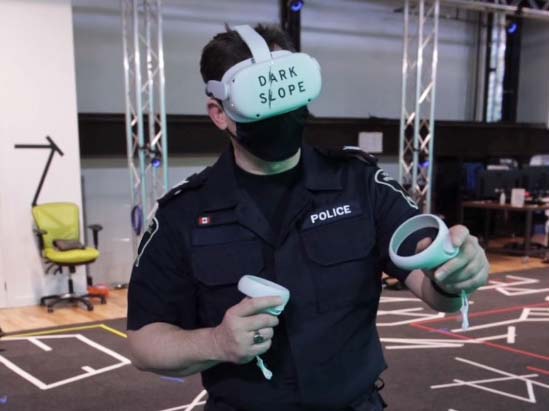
x=260, y=205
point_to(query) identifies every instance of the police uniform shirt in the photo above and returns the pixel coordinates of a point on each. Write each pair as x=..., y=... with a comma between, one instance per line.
x=330, y=252
x=269, y=192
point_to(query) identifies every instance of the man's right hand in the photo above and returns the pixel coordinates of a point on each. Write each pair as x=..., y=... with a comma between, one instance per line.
x=234, y=337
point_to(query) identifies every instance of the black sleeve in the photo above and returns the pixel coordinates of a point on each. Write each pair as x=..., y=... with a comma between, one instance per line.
x=392, y=206
x=160, y=289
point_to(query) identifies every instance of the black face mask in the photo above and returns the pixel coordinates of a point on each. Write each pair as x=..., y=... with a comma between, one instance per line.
x=276, y=138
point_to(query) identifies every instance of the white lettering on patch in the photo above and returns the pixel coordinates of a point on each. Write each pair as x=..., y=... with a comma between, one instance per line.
x=331, y=213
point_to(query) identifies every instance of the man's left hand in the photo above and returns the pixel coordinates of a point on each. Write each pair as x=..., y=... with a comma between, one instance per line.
x=469, y=269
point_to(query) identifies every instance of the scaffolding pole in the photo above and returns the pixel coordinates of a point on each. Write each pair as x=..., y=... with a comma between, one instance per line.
x=420, y=47
x=533, y=9
x=419, y=71
x=147, y=149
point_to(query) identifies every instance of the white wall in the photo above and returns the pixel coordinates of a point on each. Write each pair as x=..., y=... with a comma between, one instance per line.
x=107, y=202
x=99, y=50
x=38, y=99
x=359, y=46
x=533, y=104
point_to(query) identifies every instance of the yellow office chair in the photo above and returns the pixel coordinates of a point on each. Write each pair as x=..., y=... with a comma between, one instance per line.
x=60, y=221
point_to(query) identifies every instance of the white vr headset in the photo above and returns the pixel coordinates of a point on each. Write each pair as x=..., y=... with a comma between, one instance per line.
x=268, y=84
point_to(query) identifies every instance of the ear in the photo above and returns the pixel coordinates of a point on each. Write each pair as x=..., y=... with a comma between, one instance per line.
x=217, y=114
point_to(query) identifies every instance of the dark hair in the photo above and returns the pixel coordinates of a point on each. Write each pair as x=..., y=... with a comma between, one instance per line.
x=227, y=48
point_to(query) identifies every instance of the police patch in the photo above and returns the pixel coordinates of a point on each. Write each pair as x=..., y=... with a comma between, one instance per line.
x=152, y=229
x=381, y=177
x=331, y=214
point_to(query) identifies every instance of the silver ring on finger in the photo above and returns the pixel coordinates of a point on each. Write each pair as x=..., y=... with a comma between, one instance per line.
x=258, y=338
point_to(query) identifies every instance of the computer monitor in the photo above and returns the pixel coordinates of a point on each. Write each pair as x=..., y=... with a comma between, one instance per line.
x=535, y=179
x=490, y=181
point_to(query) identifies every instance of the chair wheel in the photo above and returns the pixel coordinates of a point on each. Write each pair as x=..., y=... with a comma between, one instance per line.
x=90, y=308
x=50, y=309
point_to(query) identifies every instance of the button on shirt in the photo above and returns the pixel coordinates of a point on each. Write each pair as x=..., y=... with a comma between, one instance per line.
x=330, y=250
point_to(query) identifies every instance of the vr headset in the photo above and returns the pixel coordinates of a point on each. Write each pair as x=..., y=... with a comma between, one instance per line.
x=268, y=84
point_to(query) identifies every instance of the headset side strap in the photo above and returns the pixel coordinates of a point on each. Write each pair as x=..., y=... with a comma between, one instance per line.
x=216, y=89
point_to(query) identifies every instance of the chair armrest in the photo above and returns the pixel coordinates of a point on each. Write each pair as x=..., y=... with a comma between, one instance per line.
x=39, y=233
x=95, y=228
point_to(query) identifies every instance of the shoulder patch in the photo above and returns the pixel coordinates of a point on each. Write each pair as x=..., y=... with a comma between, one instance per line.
x=382, y=178
x=350, y=152
x=195, y=180
x=152, y=229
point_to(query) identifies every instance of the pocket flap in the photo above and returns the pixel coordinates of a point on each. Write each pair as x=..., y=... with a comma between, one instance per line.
x=220, y=234
x=345, y=240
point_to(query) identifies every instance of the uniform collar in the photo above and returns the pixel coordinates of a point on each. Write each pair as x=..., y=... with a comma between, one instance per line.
x=320, y=174
x=222, y=188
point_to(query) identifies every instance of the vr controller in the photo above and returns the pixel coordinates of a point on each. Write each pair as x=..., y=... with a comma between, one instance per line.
x=253, y=287
x=438, y=252
x=268, y=84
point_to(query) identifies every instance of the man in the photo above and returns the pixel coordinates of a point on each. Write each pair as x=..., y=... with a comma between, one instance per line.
x=316, y=222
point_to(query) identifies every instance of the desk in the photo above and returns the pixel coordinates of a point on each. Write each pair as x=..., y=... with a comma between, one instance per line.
x=529, y=209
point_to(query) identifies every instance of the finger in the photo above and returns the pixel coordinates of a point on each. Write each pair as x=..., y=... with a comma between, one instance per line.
x=251, y=306
x=258, y=349
x=468, y=252
x=459, y=235
x=259, y=321
x=266, y=333
x=423, y=244
x=471, y=284
x=467, y=272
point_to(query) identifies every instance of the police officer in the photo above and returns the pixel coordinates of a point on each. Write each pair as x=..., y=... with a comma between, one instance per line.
x=317, y=222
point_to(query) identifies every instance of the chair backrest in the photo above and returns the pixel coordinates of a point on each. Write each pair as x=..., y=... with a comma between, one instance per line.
x=61, y=221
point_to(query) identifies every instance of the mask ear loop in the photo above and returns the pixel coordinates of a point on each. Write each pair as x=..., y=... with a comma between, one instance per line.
x=229, y=133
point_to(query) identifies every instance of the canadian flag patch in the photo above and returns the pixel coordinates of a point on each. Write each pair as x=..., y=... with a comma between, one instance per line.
x=204, y=220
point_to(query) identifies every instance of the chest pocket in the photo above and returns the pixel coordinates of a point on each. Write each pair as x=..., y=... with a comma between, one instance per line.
x=342, y=262
x=220, y=256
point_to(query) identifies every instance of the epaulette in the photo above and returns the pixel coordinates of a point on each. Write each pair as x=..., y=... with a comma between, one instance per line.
x=193, y=181
x=347, y=152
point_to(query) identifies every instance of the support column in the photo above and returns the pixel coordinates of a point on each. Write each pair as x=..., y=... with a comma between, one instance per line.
x=419, y=70
x=147, y=148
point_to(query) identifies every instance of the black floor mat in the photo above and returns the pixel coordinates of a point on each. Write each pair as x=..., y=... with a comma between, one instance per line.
x=500, y=363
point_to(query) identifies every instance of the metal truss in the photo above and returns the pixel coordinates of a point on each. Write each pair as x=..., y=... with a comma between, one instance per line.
x=536, y=9
x=419, y=70
x=496, y=68
x=146, y=127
